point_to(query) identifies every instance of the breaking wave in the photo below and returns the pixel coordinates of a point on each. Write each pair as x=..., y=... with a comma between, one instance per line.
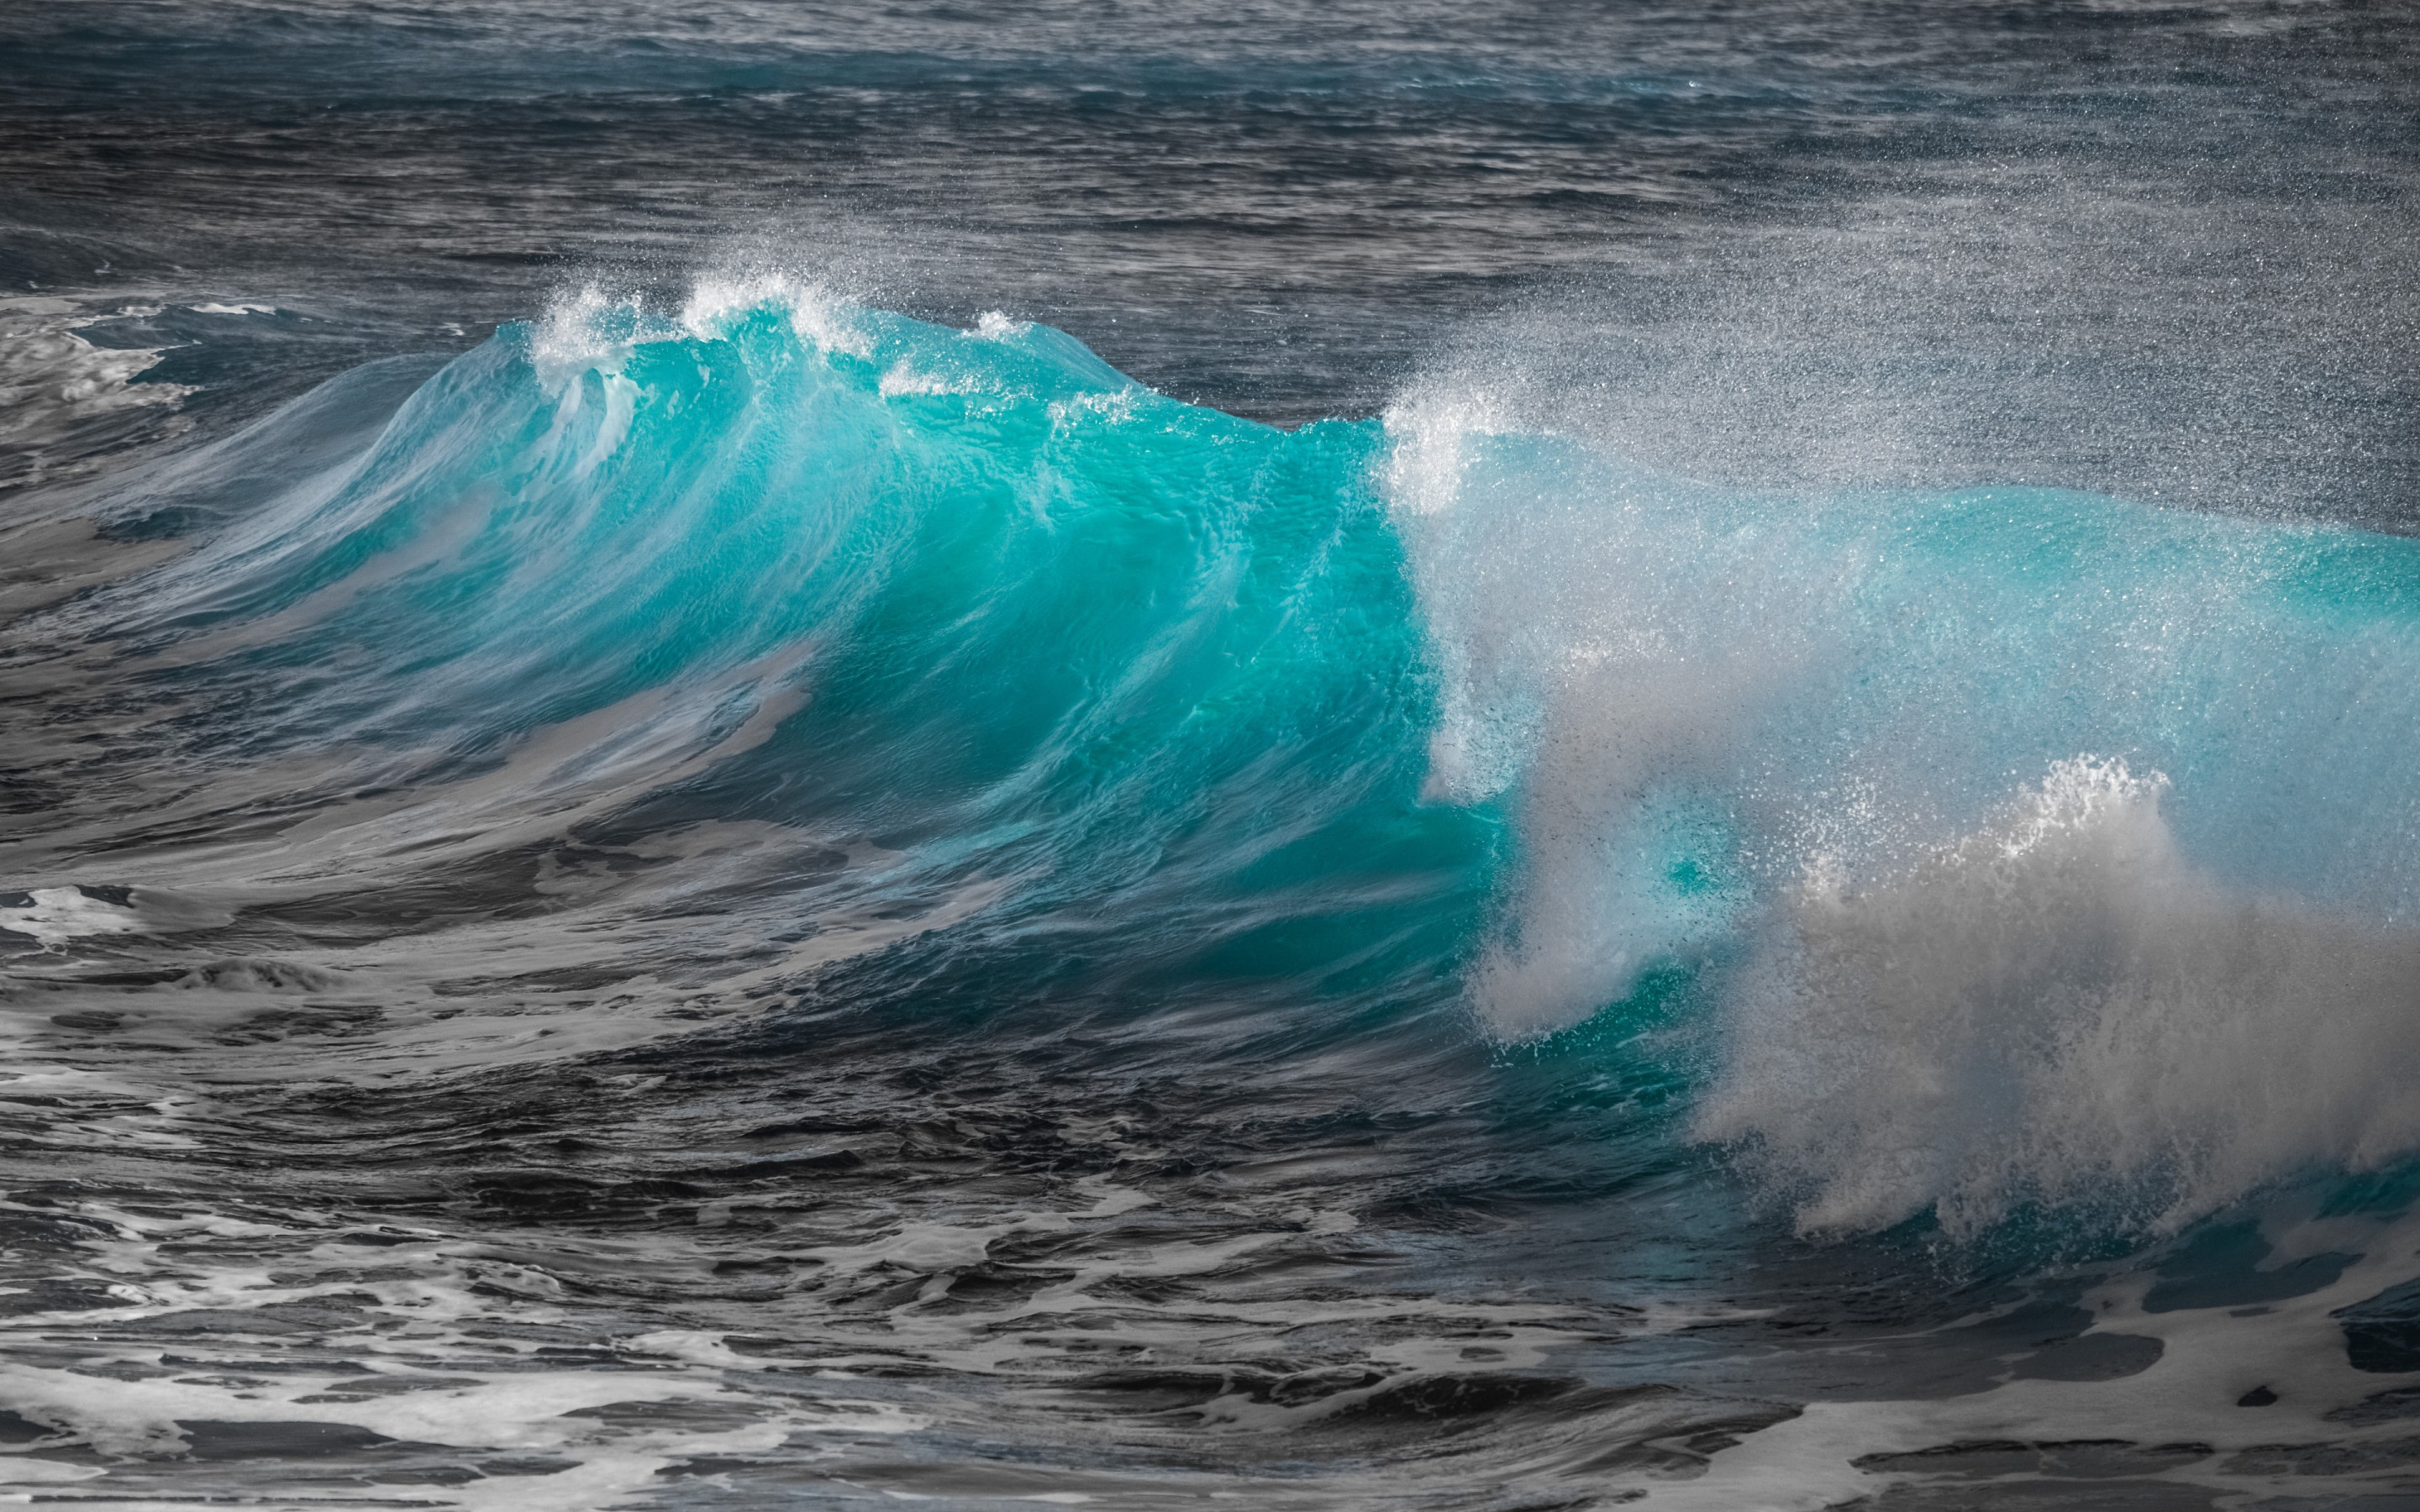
x=1960, y=850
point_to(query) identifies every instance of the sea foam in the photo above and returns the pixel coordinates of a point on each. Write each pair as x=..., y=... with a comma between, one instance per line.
x=1819, y=755
x=2060, y=1009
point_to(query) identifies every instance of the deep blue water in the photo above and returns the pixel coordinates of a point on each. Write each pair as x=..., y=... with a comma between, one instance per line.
x=1449, y=757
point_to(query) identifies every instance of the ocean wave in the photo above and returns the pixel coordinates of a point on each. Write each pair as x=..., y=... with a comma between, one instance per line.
x=1692, y=700
x=773, y=605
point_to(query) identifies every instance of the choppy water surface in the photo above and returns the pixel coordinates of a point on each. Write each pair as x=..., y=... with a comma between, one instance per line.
x=1453, y=758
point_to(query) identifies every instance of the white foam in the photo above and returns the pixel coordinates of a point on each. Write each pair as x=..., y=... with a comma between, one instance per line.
x=900, y=380
x=583, y=329
x=1431, y=433
x=2058, y=1007
x=59, y=915
x=591, y=328
x=1581, y=656
x=821, y=315
x=52, y=381
x=1116, y=406
x=1478, y=742
x=1765, y=739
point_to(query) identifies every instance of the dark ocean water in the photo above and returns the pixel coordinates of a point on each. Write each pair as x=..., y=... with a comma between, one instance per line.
x=1424, y=756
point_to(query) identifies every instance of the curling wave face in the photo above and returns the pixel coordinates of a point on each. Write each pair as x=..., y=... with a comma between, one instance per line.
x=1960, y=816
x=1022, y=633
x=872, y=694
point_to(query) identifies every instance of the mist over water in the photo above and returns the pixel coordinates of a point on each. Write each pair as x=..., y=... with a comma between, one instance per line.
x=1470, y=758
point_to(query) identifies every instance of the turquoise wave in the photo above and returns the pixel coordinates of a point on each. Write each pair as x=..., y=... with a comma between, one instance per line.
x=1946, y=852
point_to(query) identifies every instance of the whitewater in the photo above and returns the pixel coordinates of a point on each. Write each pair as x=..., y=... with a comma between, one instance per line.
x=777, y=759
